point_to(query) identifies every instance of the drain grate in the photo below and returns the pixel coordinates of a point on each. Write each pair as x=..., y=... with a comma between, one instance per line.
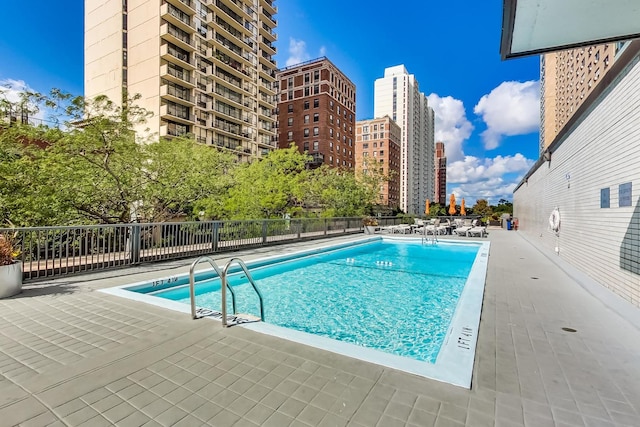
x=534, y=278
x=569, y=329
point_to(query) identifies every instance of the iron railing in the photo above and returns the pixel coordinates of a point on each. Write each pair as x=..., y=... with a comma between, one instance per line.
x=48, y=252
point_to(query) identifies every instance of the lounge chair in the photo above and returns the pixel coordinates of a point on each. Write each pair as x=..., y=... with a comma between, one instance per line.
x=477, y=230
x=466, y=226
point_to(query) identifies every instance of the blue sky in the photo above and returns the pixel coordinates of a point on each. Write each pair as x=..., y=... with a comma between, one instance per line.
x=487, y=110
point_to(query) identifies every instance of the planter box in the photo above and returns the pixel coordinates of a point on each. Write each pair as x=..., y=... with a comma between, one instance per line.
x=10, y=279
x=370, y=229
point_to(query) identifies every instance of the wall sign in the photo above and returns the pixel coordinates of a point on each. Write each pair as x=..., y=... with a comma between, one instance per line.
x=605, y=198
x=624, y=194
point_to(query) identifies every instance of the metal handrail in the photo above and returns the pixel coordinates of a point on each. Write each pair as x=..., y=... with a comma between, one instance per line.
x=192, y=284
x=244, y=268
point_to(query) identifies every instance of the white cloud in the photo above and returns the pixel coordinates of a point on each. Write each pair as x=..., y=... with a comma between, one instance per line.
x=12, y=91
x=298, y=52
x=513, y=108
x=452, y=126
x=492, y=179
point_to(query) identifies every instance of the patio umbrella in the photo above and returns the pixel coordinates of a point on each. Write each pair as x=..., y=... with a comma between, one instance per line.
x=462, y=209
x=452, y=204
x=426, y=207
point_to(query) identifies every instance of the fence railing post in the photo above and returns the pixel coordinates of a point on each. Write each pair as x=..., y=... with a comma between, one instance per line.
x=264, y=232
x=215, y=236
x=326, y=226
x=135, y=245
x=299, y=226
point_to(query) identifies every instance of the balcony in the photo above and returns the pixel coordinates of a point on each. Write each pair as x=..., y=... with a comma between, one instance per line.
x=176, y=114
x=187, y=6
x=177, y=17
x=169, y=53
x=268, y=47
x=182, y=40
x=236, y=67
x=182, y=77
x=173, y=129
x=268, y=33
x=224, y=11
x=267, y=5
x=177, y=95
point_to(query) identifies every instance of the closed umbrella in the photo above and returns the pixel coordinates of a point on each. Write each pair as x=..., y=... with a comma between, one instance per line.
x=462, y=209
x=426, y=207
x=452, y=204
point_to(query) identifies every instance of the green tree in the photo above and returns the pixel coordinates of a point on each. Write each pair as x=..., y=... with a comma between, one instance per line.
x=337, y=192
x=266, y=188
x=482, y=208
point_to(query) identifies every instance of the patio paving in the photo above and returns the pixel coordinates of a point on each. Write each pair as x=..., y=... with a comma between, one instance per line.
x=72, y=356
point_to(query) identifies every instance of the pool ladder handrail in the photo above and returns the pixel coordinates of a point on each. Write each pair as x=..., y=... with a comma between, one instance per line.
x=192, y=284
x=226, y=284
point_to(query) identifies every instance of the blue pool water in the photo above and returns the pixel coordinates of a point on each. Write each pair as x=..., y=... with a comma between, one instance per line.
x=395, y=296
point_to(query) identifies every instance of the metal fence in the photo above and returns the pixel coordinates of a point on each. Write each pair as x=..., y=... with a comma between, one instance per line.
x=55, y=251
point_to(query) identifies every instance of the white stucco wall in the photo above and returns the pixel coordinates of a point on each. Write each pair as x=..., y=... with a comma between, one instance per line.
x=602, y=151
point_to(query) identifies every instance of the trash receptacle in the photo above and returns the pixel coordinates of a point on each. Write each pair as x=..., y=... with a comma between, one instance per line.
x=508, y=224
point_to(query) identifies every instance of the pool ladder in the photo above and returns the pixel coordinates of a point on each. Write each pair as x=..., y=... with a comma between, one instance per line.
x=223, y=286
x=425, y=235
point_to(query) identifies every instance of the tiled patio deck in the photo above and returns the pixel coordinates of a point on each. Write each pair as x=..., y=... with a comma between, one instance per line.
x=72, y=356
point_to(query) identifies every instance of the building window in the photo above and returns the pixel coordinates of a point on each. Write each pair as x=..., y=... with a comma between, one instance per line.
x=316, y=89
x=306, y=77
x=316, y=103
x=306, y=132
x=315, y=145
x=290, y=82
x=331, y=132
x=331, y=118
x=316, y=131
x=365, y=146
x=306, y=119
x=316, y=117
x=306, y=146
x=290, y=121
x=316, y=75
x=306, y=91
x=290, y=108
x=290, y=136
x=306, y=105
x=331, y=104
x=375, y=145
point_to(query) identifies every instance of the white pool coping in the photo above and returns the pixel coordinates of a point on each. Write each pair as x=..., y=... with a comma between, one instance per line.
x=454, y=364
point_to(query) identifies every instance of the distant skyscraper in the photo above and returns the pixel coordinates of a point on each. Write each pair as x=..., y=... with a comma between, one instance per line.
x=316, y=111
x=203, y=67
x=566, y=80
x=378, y=145
x=398, y=96
x=441, y=175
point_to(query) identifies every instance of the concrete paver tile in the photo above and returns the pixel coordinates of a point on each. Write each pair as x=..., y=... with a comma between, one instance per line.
x=447, y=422
x=332, y=420
x=312, y=415
x=171, y=416
x=119, y=412
x=135, y=419
x=41, y=420
x=388, y=421
x=224, y=418
x=259, y=413
x=479, y=419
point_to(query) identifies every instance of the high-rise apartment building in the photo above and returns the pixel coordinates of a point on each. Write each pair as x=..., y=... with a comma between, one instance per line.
x=202, y=67
x=378, y=146
x=441, y=175
x=316, y=111
x=566, y=80
x=397, y=94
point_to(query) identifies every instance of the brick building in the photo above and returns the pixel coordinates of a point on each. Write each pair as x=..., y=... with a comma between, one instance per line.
x=316, y=111
x=378, y=142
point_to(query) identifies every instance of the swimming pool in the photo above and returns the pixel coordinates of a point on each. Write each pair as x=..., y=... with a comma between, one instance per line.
x=394, y=301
